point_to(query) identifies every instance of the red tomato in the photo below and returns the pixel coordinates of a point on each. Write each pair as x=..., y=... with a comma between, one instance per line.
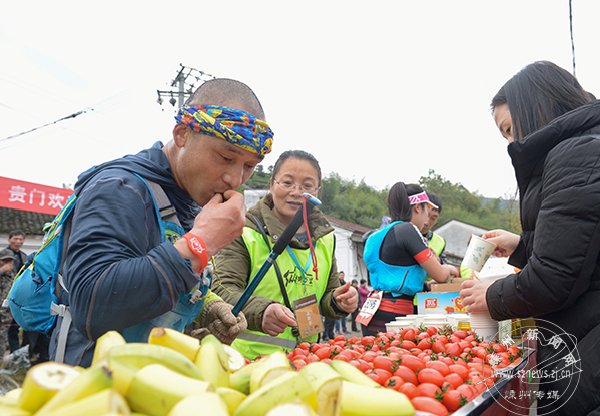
x=453, y=400
x=440, y=366
x=432, y=330
x=323, y=352
x=424, y=344
x=452, y=349
x=407, y=333
x=430, y=375
x=429, y=405
x=437, y=347
x=298, y=363
x=412, y=362
x=362, y=365
x=369, y=356
x=409, y=389
x=467, y=391
x=394, y=382
x=384, y=362
x=408, y=344
x=460, y=334
x=429, y=390
x=454, y=379
x=460, y=370
x=368, y=340
x=407, y=374
x=299, y=352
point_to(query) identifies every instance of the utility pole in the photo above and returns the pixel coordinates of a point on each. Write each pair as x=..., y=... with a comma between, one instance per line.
x=185, y=87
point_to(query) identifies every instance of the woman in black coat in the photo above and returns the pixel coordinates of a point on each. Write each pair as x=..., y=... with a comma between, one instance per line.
x=552, y=126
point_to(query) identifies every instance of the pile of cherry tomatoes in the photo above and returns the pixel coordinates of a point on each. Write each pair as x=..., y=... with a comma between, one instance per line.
x=439, y=369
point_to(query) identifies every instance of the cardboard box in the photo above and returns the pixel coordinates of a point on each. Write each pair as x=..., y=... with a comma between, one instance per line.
x=445, y=287
x=439, y=302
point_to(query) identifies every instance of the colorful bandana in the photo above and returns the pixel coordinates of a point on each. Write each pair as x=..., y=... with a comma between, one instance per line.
x=237, y=127
x=420, y=198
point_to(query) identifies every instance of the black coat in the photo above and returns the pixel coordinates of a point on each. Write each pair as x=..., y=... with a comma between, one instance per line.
x=558, y=174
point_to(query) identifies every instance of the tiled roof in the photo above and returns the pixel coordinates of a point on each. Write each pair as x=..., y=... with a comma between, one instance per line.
x=31, y=223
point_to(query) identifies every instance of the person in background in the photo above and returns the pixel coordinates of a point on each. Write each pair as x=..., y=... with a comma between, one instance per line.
x=16, y=239
x=126, y=271
x=340, y=324
x=434, y=241
x=398, y=258
x=302, y=271
x=357, y=310
x=552, y=126
x=6, y=279
x=363, y=293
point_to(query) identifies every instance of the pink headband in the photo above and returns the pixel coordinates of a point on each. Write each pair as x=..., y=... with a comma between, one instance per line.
x=420, y=198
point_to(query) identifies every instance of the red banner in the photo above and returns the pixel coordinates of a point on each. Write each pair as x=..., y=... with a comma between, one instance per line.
x=29, y=196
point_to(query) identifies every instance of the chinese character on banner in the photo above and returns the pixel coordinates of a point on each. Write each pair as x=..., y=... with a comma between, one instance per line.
x=34, y=197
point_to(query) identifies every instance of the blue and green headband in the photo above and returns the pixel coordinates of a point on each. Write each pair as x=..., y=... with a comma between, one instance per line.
x=237, y=127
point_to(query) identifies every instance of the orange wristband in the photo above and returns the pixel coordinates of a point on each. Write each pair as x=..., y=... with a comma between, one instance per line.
x=198, y=247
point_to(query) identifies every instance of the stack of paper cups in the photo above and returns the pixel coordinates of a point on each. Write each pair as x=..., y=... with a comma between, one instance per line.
x=481, y=322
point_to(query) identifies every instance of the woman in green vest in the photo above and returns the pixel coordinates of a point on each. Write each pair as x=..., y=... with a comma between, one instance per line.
x=303, y=282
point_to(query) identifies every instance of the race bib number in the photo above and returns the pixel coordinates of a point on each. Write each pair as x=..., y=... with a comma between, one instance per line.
x=369, y=308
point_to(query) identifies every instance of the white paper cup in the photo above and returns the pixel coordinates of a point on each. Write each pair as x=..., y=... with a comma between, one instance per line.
x=486, y=333
x=478, y=251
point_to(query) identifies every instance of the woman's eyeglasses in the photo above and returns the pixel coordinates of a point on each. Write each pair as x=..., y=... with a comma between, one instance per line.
x=289, y=185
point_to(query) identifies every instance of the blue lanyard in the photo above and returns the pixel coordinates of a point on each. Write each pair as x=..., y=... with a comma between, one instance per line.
x=297, y=263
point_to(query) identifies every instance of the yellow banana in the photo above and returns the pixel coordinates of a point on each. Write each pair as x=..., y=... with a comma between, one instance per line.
x=42, y=382
x=292, y=409
x=107, y=401
x=11, y=397
x=240, y=379
x=155, y=389
x=381, y=401
x=231, y=397
x=353, y=374
x=326, y=382
x=212, y=361
x=270, y=368
x=176, y=340
x=7, y=409
x=204, y=403
x=288, y=387
x=104, y=344
x=235, y=358
x=89, y=382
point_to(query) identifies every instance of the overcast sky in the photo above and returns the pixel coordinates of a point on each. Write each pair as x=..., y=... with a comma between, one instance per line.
x=376, y=90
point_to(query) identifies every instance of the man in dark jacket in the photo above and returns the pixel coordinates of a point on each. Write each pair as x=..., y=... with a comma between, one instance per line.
x=119, y=271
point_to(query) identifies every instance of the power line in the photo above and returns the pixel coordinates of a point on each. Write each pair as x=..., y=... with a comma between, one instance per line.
x=78, y=113
x=180, y=81
x=571, y=31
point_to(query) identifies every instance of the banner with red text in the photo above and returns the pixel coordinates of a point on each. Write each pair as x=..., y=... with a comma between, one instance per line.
x=29, y=196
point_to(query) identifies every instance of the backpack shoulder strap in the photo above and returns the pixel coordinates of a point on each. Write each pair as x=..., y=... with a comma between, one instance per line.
x=166, y=210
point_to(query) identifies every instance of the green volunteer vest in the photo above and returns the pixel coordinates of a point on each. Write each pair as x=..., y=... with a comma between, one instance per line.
x=293, y=280
x=437, y=244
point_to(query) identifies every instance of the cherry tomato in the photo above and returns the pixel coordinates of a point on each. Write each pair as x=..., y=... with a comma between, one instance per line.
x=323, y=352
x=442, y=367
x=407, y=374
x=453, y=400
x=384, y=362
x=460, y=370
x=409, y=389
x=412, y=362
x=429, y=390
x=394, y=382
x=430, y=375
x=454, y=379
x=298, y=363
x=467, y=391
x=429, y=405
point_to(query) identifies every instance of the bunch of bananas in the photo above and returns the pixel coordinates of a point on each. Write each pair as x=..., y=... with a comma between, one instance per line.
x=175, y=374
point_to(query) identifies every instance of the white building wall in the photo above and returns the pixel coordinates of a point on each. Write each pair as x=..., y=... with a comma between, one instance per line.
x=345, y=255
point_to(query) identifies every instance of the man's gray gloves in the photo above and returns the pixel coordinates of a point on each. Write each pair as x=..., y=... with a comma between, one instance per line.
x=216, y=318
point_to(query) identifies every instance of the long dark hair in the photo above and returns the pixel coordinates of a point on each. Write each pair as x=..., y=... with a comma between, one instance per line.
x=538, y=94
x=398, y=204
